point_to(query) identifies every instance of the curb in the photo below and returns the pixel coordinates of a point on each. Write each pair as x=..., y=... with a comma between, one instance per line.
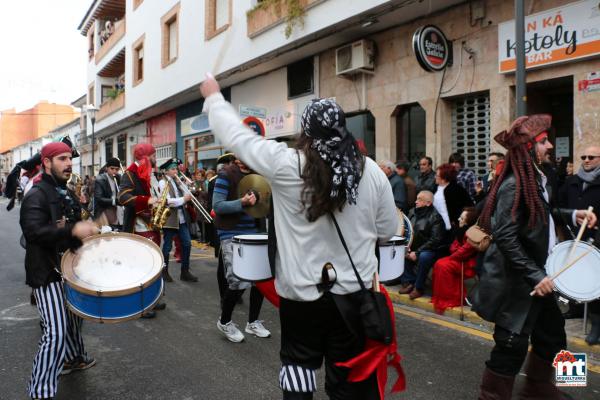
x=472, y=319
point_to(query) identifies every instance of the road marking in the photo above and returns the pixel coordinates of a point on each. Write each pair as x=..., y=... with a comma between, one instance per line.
x=9, y=310
x=465, y=329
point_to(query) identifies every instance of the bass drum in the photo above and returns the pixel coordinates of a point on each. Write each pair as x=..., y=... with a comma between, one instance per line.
x=581, y=282
x=113, y=277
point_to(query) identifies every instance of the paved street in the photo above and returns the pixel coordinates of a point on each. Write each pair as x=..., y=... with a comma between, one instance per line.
x=181, y=355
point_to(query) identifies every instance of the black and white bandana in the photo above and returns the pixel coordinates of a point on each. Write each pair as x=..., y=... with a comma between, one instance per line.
x=324, y=121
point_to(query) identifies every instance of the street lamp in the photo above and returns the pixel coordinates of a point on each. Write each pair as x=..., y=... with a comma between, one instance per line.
x=90, y=110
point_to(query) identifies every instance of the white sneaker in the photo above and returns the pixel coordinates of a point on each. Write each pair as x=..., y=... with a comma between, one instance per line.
x=257, y=329
x=231, y=331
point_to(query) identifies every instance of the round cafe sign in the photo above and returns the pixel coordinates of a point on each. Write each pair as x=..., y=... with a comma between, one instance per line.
x=431, y=48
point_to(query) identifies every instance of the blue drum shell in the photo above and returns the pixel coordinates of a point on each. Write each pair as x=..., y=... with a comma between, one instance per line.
x=112, y=309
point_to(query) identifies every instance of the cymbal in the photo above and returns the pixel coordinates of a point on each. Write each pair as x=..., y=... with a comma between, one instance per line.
x=261, y=189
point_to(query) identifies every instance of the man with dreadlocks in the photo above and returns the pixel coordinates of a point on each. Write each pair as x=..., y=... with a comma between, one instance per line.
x=518, y=216
x=325, y=177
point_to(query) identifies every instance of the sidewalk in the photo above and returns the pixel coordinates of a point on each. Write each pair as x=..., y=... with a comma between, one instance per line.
x=574, y=327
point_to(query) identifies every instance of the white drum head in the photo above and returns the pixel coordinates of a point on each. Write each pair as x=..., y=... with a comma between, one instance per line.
x=258, y=238
x=394, y=241
x=113, y=263
x=581, y=282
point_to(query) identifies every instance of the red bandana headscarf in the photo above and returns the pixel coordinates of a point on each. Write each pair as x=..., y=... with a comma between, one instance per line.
x=141, y=152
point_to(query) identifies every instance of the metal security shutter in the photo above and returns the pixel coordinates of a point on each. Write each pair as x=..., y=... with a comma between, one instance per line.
x=163, y=154
x=471, y=131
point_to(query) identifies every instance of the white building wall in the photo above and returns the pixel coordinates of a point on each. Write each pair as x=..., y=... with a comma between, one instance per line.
x=269, y=91
x=197, y=56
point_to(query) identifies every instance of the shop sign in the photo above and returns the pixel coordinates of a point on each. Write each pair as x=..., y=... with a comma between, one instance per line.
x=562, y=146
x=558, y=35
x=251, y=111
x=255, y=124
x=591, y=84
x=275, y=122
x=196, y=124
x=431, y=48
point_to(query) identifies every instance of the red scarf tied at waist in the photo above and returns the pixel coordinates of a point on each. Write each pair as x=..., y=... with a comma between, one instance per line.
x=376, y=357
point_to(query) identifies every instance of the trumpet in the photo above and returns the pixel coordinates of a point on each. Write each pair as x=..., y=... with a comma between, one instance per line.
x=205, y=214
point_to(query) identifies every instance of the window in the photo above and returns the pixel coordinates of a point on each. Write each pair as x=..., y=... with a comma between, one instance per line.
x=170, y=36
x=91, y=50
x=105, y=90
x=91, y=98
x=300, y=77
x=136, y=3
x=217, y=17
x=362, y=127
x=410, y=133
x=471, y=131
x=108, y=148
x=122, y=148
x=138, y=61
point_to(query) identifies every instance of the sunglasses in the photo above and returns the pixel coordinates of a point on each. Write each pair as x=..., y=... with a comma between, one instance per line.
x=583, y=158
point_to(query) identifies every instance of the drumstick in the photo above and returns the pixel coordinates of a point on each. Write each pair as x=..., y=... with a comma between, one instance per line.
x=557, y=274
x=376, y=282
x=580, y=233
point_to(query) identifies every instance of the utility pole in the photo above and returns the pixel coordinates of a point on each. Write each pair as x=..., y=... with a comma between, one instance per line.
x=521, y=84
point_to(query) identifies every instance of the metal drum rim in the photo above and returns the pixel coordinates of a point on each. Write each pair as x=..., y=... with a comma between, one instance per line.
x=112, y=293
x=394, y=242
x=261, y=242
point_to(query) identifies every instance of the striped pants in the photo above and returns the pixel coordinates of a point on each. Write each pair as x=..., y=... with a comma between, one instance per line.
x=61, y=340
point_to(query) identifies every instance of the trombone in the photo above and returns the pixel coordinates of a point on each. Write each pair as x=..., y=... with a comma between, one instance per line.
x=205, y=214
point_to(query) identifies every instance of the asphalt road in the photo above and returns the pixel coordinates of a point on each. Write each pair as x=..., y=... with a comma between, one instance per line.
x=180, y=355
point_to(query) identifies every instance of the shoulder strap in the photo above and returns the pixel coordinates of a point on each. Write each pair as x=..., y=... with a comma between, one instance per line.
x=339, y=232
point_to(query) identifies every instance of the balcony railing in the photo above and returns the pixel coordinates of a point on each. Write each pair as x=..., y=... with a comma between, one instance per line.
x=114, y=38
x=263, y=18
x=110, y=106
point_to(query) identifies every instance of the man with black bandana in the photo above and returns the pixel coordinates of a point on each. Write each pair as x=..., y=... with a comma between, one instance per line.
x=326, y=175
x=50, y=220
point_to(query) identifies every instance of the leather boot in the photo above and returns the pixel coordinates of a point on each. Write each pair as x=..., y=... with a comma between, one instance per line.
x=187, y=276
x=495, y=386
x=594, y=336
x=166, y=276
x=539, y=384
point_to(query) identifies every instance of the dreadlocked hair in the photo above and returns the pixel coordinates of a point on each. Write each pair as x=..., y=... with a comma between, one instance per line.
x=520, y=162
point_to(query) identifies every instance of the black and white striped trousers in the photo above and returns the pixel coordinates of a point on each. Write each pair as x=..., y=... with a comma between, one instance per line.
x=61, y=340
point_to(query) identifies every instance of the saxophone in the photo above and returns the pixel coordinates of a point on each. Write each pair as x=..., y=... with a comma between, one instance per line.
x=161, y=211
x=75, y=184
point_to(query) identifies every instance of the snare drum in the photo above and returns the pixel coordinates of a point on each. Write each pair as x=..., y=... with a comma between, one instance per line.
x=113, y=277
x=581, y=282
x=251, y=258
x=391, y=259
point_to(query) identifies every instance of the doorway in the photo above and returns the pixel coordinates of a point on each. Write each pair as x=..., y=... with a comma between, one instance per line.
x=555, y=97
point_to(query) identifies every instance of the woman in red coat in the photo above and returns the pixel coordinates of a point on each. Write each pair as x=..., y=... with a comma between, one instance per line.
x=447, y=270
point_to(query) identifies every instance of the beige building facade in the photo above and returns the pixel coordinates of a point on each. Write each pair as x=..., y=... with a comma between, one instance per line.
x=476, y=101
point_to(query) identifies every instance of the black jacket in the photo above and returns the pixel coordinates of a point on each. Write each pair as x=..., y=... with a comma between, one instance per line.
x=42, y=207
x=457, y=198
x=514, y=262
x=103, y=195
x=572, y=195
x=426, y=182
x=429, y=230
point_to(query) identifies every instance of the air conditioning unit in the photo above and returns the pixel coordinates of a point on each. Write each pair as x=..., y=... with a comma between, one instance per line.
x=355, y=57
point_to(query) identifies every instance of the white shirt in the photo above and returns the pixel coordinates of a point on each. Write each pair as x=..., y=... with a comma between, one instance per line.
x=304, y=247
x=175, y=202
x=439, y=203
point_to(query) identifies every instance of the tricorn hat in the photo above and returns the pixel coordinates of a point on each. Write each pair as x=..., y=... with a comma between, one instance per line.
x=525, y=130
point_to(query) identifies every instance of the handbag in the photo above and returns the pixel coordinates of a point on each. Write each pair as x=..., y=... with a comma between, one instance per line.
x=373, y=308
x=478, y=238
